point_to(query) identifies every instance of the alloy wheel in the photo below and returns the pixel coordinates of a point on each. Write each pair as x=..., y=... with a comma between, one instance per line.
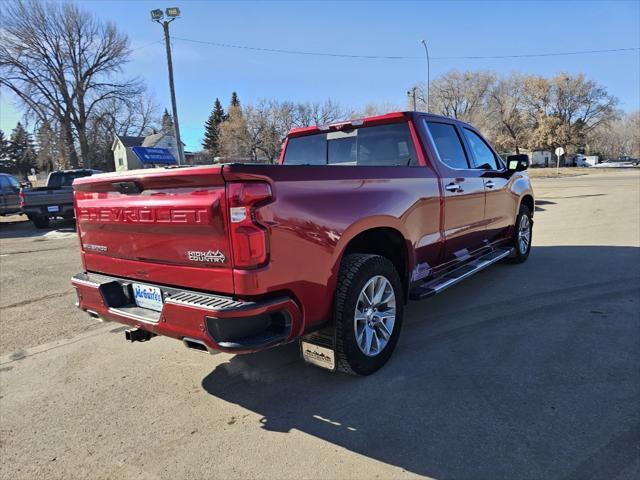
x=524, y=234
x=375, y=315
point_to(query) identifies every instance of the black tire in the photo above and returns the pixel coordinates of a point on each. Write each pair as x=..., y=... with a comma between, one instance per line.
x=356, y=270
x=520, y=255
x=40, y=221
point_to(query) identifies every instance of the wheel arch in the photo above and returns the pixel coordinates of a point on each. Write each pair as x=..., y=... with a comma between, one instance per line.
x=528, y=201
x=387, y=241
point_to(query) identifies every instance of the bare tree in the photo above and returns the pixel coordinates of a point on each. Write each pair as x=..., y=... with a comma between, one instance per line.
x=565, y=110
x=524, y=110
x=461, y=95
x=136, y=117
x=257, y=131
x=582, y=104
x=620, y=137
x=62, y=64
x=319, y=113
x=372, y=109
x=507, y=118
x=537, y=97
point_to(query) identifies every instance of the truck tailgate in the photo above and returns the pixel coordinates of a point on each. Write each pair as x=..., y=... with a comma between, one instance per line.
x=40, y=197
x=158, y=226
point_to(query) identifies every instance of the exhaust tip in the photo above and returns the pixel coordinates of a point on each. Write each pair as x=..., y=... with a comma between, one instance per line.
x=193, y=344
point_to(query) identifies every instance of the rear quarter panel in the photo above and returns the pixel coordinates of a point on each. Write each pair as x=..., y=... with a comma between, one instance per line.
x=316, y=211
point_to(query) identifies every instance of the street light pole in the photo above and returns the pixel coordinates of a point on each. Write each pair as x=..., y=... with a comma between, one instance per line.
x=157, y=16
x=426, y=50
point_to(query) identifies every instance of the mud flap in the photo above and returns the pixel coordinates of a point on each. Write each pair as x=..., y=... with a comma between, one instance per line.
x=318, y=348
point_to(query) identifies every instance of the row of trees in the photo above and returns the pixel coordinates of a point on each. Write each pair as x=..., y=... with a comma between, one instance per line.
x=530, y=111
x=514, y=112
x=257, y=131
x=65, y=68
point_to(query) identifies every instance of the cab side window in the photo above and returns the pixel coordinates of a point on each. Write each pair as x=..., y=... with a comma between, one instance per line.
x=14, y=183
x=448, y=144
x=483, y=156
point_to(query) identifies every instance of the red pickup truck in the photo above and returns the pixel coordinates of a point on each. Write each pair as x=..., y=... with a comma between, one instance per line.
x=327, y=247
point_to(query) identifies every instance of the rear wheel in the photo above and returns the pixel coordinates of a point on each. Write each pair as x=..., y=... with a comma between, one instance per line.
x=369, y=307
x=40, y=221
x=522, y=236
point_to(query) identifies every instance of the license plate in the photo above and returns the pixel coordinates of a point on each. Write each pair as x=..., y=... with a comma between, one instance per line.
x=319, y=356
x=53, y=208
x=147, y=296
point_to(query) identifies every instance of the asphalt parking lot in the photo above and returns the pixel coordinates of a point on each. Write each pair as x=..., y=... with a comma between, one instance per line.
x=525, y=371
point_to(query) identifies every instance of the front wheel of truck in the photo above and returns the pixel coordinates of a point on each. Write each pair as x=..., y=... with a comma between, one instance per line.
x=368, y=311
x=522, y=236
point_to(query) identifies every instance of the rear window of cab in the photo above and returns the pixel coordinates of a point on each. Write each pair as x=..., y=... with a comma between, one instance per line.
x=65, y=179
x=382, y=145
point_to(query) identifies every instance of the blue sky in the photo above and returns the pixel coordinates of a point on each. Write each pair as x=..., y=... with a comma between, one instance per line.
x=203, y=72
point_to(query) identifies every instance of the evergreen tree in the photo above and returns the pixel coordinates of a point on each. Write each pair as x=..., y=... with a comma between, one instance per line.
x=167, y=123
x=6, y=165
x=4, y=145
x=48, y=153
x=235, y=102
x=212, y=128
x=21, y=150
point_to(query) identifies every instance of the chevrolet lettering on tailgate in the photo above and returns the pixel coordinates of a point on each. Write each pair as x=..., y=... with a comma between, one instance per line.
x=143, y=215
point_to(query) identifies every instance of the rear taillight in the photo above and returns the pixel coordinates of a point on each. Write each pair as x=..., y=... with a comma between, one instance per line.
x=249, y=238
x=21, y=196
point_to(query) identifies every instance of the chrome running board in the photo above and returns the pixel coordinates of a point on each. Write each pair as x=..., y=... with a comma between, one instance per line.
x=450, y=278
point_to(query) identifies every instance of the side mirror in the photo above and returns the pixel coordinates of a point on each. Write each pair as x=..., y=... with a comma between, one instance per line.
x=517, y=163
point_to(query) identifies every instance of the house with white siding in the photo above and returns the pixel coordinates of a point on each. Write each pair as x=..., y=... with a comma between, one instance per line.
x=125, y=159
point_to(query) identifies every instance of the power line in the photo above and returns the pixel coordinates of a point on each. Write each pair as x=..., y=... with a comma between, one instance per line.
x=401, y=57
x=146, y=45
x=293, y=52
x=554, y=54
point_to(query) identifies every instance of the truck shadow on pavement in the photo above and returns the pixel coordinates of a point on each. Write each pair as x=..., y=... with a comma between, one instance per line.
x=525, y=371
x=23, y=228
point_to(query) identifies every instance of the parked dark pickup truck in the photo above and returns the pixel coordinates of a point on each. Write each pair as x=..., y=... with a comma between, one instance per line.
x=327, y=247
x=55, y=200
x=9, y=194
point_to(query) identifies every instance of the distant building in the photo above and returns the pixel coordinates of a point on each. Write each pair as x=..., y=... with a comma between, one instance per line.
x=542, y=158
x=125, y=159
x=123, y=156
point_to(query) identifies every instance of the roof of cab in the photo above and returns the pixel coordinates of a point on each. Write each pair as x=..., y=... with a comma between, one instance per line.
x=392, y=117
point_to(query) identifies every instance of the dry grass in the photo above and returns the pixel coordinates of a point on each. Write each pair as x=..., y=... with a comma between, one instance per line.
x=571, y=171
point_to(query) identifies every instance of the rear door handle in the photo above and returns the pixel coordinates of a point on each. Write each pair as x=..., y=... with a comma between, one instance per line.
x=490, y=184
x=453, y=187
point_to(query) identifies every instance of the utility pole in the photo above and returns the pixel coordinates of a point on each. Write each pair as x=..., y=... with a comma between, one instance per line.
x=157, y=16
x=412, y=93
x=426, y=50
